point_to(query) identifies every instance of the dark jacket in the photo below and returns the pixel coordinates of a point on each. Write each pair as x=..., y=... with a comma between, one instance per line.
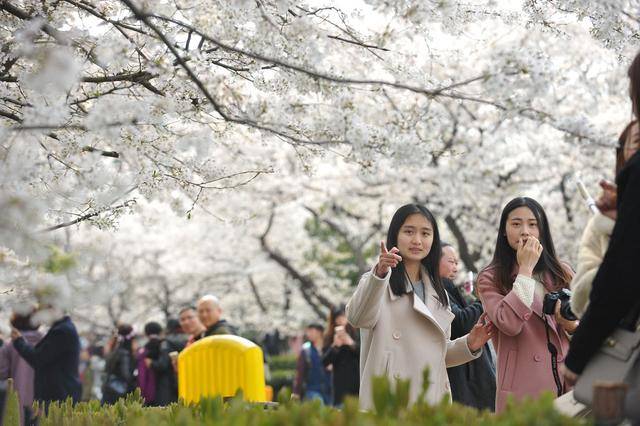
x=473, y=383
x=120, y=365
x=346, y=369
x=616, y=287
x=55, y=360
x=166, y=380
x=221, y=327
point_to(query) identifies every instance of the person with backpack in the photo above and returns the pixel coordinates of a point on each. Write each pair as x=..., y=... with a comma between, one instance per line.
x=119, y=366
x=312, y=380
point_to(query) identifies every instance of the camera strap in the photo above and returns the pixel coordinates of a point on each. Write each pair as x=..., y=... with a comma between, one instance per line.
x=554, y=358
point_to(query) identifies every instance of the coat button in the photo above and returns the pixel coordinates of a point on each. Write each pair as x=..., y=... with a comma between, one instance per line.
x=396, y=335
x=560, y=358
x=527, y=316
x=537, y=358
x=396, y=376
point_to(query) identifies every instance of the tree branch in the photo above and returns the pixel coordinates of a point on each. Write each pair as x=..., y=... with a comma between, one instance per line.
x=307, y=287
x=328, y=77
x=144, y=17
x=466, y=256
x=357, y=43
x=254, y=289
x=87, y=216
x=356, y=249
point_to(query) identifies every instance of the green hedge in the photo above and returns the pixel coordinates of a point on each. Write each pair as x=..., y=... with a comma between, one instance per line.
x=283, y=362
x=280, y=379
x=390, y=410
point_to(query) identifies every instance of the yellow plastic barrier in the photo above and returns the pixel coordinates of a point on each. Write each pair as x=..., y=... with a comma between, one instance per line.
x=220, y=365
x=268, y=393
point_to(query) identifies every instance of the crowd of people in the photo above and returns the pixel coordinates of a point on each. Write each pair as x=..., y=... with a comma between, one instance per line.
x=411, y=318
x=406, y=315
x=328, y=366
x=56, y=365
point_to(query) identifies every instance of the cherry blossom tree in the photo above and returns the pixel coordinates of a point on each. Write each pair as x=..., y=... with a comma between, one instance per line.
x=281, y=135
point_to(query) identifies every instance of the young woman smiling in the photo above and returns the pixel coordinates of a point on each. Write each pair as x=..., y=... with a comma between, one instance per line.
x=403, y=312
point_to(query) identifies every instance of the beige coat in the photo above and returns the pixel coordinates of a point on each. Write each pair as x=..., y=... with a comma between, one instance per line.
x=401, y=336
x=593, y=246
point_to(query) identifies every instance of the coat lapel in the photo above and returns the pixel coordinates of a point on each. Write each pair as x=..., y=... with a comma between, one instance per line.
x=424, y=310
x=432, y=310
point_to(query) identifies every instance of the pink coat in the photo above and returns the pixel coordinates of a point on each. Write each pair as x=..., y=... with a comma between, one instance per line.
x=14, y=366
x=524, y=361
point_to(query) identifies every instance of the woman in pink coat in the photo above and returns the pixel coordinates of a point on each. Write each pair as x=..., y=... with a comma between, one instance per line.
x=512, y=288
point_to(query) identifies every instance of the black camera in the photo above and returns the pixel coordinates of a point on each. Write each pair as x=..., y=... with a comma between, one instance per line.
x=564, y=296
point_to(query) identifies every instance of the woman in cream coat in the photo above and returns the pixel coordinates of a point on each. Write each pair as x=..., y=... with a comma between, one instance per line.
x=595, y=239
x=403, y=312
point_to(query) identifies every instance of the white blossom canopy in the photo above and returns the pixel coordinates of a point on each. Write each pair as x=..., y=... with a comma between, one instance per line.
x=154, y=151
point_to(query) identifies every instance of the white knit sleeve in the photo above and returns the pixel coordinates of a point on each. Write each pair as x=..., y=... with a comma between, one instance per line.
x=524, y=288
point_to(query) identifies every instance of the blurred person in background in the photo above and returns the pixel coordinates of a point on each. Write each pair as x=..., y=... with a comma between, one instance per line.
x=210, y=315
x=55, y=358
x=119, y=379
x=190, y=324
x=312, y=380
x=12, y=365
x=147, y=355
x=166, y=380
x=342, y=353
x=473, y=383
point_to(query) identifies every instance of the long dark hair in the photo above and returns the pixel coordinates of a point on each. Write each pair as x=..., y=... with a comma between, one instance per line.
x=622, y=141
x=430, y=263
x=330, y=331
x=634, y=85
x=504, y=257
x=125, y=336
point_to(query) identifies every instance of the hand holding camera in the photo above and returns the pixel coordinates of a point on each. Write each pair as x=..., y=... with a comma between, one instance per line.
x=558, y=304
x=528, y=254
